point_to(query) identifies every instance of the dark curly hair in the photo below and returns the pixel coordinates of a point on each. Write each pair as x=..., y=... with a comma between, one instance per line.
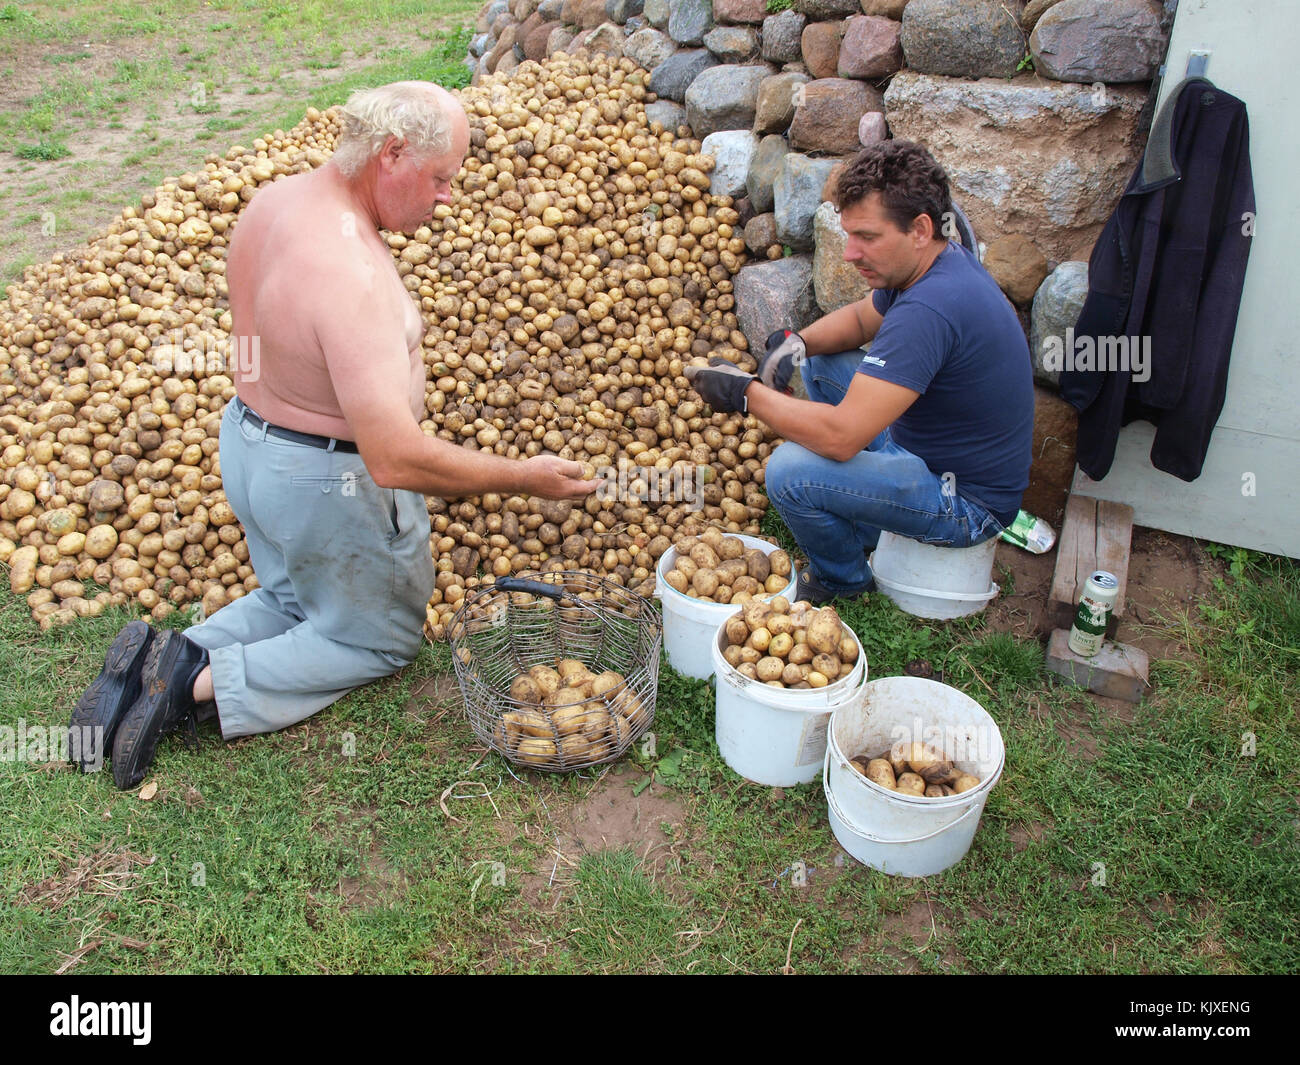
x=907, y=177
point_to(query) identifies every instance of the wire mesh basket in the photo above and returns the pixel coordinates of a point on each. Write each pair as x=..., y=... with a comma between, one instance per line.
x=560, y=671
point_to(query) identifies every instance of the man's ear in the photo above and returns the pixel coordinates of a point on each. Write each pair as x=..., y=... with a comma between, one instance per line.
x=393, y=150
x=922, y=231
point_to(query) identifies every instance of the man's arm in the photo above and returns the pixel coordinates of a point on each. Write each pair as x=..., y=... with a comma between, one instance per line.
x=838, y=432
x=843, y=330
x=359, y=328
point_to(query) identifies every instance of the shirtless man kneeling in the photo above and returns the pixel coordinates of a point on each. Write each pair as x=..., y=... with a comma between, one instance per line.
x=322, y=455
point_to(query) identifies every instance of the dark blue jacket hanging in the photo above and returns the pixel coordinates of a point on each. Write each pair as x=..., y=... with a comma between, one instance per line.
x=1166, y=277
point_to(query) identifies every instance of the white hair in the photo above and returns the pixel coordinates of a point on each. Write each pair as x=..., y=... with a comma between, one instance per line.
x=408, y=111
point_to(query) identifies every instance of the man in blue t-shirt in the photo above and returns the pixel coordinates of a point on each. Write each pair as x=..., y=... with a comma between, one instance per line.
x=928, y=434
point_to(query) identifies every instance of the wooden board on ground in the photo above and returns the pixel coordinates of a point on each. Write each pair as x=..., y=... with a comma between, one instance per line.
x=1095, y=535
x=1117, y=671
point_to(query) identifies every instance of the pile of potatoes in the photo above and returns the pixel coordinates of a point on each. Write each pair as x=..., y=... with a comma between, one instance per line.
x=581, y=263
x=566, y=717
x=913, y=768
x=721, y=569
x=790, y=645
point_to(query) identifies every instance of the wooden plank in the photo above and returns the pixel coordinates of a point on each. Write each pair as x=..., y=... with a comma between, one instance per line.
x=1117, y=671
x=1076, y=549
x=1114, y=535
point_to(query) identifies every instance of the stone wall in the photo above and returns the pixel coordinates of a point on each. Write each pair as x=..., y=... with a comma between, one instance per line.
x=1034, y=108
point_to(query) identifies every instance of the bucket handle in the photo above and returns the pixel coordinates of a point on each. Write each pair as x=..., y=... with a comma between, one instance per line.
x=826, y=776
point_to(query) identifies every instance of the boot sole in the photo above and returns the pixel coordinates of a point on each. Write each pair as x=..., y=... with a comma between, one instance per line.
x=111, y=694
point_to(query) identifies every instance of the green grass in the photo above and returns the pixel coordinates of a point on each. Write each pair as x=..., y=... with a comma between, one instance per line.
x=311, y=860
x=43, y=150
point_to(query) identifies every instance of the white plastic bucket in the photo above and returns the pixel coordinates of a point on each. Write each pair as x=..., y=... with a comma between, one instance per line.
x=777, y=736
x=902, y=834
x=690, y=624
x=930, y=581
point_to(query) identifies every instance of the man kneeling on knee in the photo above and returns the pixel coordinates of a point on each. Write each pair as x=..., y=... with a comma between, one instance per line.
x=323, y=458
x=927, y=434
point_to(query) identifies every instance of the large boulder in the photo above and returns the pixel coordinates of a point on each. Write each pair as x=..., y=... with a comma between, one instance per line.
x=1034, y=10
x=820, y=43
x=591, y=13
x=970, y=39
x=821, y=10
x=559, y=40
x=490, y=14
x=606, y=39
x=760, y=234
x=657, y=13
x=733, y=151
x=776, y=102
x=648, y=48
x=1056, y=308
x=1016, y=265
x=671, y=78
x=667, y=113
x=1056, y=429
x=551, y=10
x=870, y=48
x=872, y=128
x=724, y=97
x=774, y=295
x=751, y=11
x=764, y=169
x=797, y=194
x=827, y=117
x=889, y=8
x=689, y=21
x=1099, y=40
x=536, y=42
x=835, y=283
x=781, y=33
x=732, y=44
x=621, y=10
x=1045, y=159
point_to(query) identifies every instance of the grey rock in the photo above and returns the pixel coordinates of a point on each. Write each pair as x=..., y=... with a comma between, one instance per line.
x=1056, y=307
x=776, y=102
x=550, y=10
x=760, y=233
x=775, y=295
x=724, y=97
x=872, y=128
x=824, y=10
x=781, y=35
x=606, y=39
x=480, y=44
x=496, y=9
x=671, y=78
x=973, y=39
x=636, y=22
x=657, y=13
x=835, y=282
x=764, y=169
x=1099, y=40
x=622, y=10
x=732, y=151
x=690, y=20
x=732, y=44
x=558, y=41
x=1034, y=10
x=648, y=48
x=671, y=115
x=870, y=47
x=797, y=195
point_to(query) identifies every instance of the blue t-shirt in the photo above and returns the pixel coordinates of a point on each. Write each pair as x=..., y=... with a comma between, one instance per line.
x=954, y=337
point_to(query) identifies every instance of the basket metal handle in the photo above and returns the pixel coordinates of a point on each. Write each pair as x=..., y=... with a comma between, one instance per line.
x=520, y=584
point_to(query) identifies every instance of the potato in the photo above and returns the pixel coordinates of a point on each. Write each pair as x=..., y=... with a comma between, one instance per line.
x=827, y=665
x=938, y=772
x=678, y=581
x=704, y=556
x=750, y=654
x=935, y=791
x=731, y=653
x=898, y=757
x=570, y=719
x=566, y=667
x=22, y=569
x=817, y=680
x=964, y=782
x=769, y=668
x=576, y=749
x=686, y=566
x=779, y=562
x=607, y=682
x=781, y=646
x=848, y=650
x=921, y=756
x=792, y=674
x=101, y=541
x=736, y=629
x=547, y=679
x=825, y=632
x=756, y=614
x=523, y=689
x=756, y=562
x=731, y=548
x=746, y=669
x=800, y=654
x=774, y=583
x=536, y=751
x=911, y=784
x=881, y=772
x=704, y=583
x=759, y=639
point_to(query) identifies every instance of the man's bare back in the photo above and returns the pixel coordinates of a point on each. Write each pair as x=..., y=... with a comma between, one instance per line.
x=299, y=253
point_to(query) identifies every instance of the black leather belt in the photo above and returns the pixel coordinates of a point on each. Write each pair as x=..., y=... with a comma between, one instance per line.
x=325, y=443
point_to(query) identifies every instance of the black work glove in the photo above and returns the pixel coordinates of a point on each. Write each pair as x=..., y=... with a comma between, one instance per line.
x=785, y=351
x=721, y=384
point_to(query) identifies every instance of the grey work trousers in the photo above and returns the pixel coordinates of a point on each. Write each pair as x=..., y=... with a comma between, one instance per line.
x=345, y=573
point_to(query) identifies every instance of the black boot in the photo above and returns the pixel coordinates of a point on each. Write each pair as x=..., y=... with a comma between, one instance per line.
x=166, y=702
x=109, y=697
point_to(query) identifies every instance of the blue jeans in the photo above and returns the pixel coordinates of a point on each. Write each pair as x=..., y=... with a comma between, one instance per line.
x=837, y=510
